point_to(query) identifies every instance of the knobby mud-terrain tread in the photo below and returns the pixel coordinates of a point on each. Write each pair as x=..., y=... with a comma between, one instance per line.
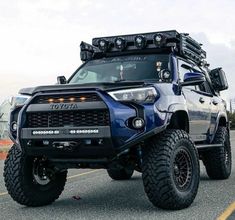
x=214, y=160
x=157, y=171
x=21, y=188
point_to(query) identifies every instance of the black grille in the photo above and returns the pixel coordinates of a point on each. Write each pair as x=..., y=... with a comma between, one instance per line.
x=67, y=98
x=68, y=118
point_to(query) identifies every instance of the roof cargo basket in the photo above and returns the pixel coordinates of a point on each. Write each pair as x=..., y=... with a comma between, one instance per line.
x=191, y=49
x=154, y=42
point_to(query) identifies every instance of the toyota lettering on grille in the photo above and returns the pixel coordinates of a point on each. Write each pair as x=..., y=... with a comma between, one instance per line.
x=70, y=106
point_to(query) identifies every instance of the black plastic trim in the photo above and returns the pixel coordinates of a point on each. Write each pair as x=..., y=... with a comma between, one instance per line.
x=208, y=146
x=142, y=137
x=66, y=106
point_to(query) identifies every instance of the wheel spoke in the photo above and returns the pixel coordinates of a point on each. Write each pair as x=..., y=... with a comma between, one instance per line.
x=183, y=169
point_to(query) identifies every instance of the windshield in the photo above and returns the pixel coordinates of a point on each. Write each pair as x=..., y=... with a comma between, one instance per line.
x=123, y=68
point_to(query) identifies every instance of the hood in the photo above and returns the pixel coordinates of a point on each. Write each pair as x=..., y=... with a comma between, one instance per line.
x=88, y=86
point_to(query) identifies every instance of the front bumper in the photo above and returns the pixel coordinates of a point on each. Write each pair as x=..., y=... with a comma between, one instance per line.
x=93, y=141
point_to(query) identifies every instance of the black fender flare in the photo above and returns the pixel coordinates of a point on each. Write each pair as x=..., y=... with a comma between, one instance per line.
x=173, y=108
x=220, y=115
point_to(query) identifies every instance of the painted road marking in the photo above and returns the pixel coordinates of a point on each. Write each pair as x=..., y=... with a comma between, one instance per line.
x=81, y=174
x=227, y=212
x=3, y=194
x=69, y=177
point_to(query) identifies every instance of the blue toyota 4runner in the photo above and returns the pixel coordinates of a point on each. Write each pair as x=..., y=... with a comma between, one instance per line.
x=145, y=102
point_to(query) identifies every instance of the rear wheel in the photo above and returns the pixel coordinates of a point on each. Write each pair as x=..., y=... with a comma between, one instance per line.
x=30, y=181
x=124, y=173
x=171, y=170
x=218, y=162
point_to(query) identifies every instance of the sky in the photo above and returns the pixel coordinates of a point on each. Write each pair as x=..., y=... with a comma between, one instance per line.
x=39, y=39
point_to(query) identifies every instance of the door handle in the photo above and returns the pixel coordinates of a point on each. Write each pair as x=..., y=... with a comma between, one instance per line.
x=214, y=102
x=202, y=100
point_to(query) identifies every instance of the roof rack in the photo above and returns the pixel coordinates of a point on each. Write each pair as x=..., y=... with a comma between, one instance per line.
x=180, y=43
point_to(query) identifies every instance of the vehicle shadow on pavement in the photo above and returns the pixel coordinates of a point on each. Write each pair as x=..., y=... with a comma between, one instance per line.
x=114, y=196
x=103, y=198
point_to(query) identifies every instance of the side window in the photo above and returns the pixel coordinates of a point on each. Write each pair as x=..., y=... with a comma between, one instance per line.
x=183, y=68
x=204, y=87
x=201, y=87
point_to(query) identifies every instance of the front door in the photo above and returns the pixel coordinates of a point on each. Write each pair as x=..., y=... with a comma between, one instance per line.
x=198, y=105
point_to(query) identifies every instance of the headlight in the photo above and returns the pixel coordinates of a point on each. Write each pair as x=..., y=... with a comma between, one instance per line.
x=19, y=100
x=146, y=95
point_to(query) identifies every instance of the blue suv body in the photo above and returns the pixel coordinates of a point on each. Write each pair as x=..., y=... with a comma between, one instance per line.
x=136, y=100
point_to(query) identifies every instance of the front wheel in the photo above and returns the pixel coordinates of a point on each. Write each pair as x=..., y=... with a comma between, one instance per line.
x=171, y=170
x=29, y=181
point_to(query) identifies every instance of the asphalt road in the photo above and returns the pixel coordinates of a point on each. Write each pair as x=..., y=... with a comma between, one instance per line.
x=103, y=198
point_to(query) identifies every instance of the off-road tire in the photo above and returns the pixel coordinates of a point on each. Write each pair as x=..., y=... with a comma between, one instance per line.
x=120, y=173
x=218, y=162
x=160, y=157
x=20, y=183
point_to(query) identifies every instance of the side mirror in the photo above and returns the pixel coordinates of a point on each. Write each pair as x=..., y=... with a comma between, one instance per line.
x=192, y=79
x=61, y=80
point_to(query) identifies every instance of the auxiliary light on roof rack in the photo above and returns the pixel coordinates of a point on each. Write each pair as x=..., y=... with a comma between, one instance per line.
x=155, y=42
x=103, y=45
x=140, y=42
x=120, y=43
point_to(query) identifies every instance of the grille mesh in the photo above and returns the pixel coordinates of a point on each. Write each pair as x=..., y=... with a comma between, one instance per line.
x=68, y=118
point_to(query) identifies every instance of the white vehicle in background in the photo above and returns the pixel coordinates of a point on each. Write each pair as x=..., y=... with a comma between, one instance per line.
x=5, y=108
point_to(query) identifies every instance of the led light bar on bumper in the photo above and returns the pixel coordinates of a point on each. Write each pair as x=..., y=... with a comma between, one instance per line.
x=143, y=95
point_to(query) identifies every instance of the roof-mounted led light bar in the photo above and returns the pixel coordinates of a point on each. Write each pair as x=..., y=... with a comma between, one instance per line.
x=181, y=44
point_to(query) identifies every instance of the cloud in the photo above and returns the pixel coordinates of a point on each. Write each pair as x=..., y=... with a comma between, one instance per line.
x=220, y=55
x=40, y=39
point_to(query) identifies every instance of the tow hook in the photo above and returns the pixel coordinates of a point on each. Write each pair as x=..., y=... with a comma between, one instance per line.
x=65, y=145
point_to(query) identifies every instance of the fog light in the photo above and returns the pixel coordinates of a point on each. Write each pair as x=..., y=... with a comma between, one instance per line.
x=138, y=123
x=14, y=126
